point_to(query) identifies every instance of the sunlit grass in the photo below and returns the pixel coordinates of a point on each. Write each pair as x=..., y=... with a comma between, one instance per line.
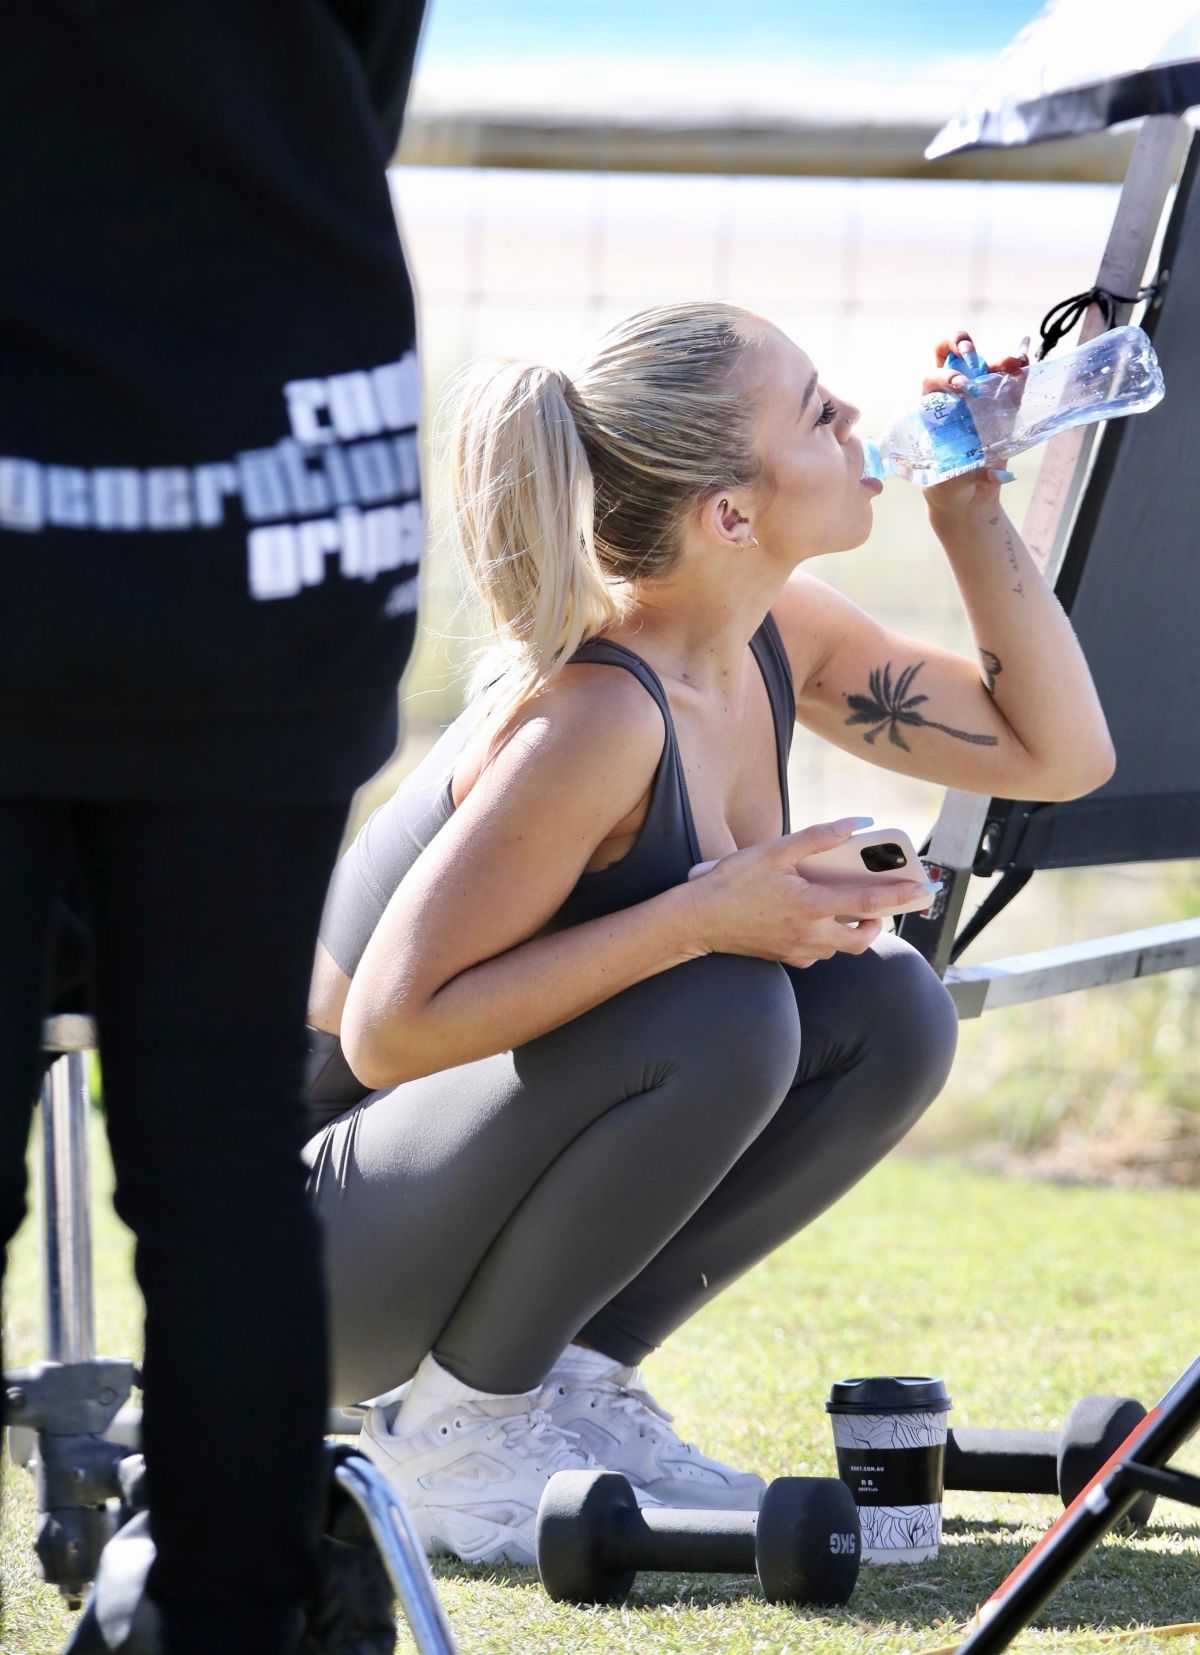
x=1023, y=1296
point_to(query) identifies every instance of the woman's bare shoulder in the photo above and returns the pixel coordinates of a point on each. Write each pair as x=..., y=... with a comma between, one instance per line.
x=602, y=710
x=592, y=735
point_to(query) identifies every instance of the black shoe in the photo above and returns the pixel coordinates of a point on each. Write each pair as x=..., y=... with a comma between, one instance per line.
x=350, y=1612
x=352, y=1609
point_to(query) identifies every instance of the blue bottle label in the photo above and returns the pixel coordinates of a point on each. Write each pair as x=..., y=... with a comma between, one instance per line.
x=956, y=444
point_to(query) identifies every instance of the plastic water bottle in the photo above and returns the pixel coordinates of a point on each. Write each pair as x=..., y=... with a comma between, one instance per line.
x=949, y=433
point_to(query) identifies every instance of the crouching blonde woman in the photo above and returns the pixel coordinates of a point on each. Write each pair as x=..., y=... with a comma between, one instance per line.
x=565, y=1093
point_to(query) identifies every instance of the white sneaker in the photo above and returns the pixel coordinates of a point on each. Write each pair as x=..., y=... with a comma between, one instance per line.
x=470, y=1473
x=626, y=1430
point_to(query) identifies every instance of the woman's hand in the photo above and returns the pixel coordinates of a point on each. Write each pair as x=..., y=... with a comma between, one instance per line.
x=757, y=901
x=998, y=400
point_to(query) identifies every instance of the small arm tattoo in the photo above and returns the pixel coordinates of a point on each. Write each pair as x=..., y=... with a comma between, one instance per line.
x=991, y=670
x=889, y=706
x=1013, y=564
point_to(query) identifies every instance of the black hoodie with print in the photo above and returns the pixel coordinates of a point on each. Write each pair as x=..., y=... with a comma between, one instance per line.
x=210, y=520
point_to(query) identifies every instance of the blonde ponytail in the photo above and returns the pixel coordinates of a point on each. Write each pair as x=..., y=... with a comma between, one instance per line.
x=567, y=495
x=523, y=504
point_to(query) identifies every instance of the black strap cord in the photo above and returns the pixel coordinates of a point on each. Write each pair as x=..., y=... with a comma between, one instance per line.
x=1061, y=318
x=1009, y=884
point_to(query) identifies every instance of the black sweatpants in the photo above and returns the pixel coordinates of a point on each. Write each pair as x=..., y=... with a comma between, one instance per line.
x=203, y=919
x=610, y=1177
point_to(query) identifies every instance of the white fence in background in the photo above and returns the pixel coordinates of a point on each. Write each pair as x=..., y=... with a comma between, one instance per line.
x=861, y=271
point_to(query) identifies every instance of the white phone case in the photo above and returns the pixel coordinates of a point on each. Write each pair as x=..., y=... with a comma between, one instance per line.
x=852, y=863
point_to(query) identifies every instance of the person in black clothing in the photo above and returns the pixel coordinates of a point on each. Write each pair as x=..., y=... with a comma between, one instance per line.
x=209, y=538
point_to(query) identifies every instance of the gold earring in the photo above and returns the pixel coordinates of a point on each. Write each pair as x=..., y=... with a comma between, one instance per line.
x=753, y=542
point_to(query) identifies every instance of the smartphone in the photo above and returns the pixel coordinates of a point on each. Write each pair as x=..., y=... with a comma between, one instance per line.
x=869, y=854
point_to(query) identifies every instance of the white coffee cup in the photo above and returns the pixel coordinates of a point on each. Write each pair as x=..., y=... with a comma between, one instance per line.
x=890, y=1437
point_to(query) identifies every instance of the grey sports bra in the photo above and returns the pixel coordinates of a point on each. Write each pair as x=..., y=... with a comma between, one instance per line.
x=397, y=832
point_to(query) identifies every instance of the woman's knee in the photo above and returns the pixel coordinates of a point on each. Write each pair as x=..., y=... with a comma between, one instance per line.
x=737, y=1039
x=885, y=1016
x=720, y=1033
x=913, y=1025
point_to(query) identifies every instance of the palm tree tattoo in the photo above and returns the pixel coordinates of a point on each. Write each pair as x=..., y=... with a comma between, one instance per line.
x=889, y=706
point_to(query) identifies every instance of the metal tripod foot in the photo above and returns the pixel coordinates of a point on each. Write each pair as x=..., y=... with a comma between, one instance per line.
x=59, y=1410
x=402, y=1552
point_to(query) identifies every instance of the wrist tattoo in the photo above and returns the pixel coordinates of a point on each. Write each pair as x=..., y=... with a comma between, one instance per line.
x=889, y=706
x=991, y=670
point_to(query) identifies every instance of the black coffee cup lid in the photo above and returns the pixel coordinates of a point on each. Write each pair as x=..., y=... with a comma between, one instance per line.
x=905, y=1395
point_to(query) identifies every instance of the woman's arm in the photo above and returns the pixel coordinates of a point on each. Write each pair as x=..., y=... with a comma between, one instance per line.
x=1033, y=669
x=1024, y=722
x=456, y=969
x=392, y=1031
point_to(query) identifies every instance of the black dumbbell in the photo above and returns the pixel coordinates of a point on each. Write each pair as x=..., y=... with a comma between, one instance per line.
x=592, y=1538
x=1048, y=1462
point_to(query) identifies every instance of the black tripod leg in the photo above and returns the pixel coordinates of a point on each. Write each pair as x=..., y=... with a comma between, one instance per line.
x=1102, y=1503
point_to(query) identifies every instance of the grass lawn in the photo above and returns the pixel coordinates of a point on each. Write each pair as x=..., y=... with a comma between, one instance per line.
x=1023, y=1296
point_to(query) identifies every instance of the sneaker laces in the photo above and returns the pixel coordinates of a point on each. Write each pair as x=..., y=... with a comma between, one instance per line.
x=632, y=1396
x=625, y=1392
x=535, y=1436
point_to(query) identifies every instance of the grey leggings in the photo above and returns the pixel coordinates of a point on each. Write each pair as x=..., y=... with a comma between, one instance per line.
x=608, y=1179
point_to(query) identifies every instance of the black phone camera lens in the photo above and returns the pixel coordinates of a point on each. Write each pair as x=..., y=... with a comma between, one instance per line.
x=882, y=858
